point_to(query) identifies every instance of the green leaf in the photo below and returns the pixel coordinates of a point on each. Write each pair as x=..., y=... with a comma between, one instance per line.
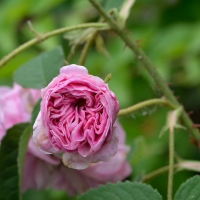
x=189, y=190
x=38, y=72
x=113, y=4
x=35, y=111
x=23, y=143
x=9, y=177
x=122, y=191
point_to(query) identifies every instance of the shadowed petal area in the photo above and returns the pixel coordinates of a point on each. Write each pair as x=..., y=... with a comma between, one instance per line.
x=108, y=149
x=37, y=153
x=76, y=161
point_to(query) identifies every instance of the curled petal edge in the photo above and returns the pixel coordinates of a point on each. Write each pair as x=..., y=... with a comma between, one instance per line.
x=76, y=161
x=108, y=149
x=39, y=137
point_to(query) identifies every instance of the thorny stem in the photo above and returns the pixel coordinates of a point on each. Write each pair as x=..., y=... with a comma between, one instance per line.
x=3, y=61
x=151, y=69
x=141, y=105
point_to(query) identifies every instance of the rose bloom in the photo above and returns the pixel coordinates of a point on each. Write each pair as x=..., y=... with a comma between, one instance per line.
x=15, y=106
x=77, y=115
x=49, y=174
x=42, y=171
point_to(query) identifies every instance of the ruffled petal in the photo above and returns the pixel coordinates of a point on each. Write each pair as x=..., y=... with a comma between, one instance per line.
x=108, y=149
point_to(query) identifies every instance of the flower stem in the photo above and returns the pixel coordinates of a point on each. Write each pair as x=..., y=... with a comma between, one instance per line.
x=191, y=165
x=30, y=43
x=141, y=105
x=71, y=53
x=124, y=34
x=171, y=165
x=86, y=49
x=158, y=172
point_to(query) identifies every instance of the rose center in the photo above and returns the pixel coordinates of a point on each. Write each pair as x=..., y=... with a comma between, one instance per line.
x=80, y=102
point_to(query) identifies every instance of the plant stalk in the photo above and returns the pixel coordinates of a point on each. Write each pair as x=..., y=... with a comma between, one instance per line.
x=141, y=105
x=36, y=40
x=125, y=35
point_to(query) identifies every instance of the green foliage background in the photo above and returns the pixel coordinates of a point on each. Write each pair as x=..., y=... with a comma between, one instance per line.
x=169, y=32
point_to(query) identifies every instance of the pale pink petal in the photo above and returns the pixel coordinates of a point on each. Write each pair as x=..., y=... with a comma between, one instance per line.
x=4, y=90
x=76, y=161
x=108, y=149
x=122, y=134
x=2, y=131
x=73, y=181
x=37, y=173
x=116, y=169
x=73, y=69
x=40, y=139
x=37, y=153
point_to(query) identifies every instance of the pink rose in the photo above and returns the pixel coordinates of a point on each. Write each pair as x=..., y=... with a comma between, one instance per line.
x=16, y=105
x=77, y=115
x=78, y=181
x=43, y=171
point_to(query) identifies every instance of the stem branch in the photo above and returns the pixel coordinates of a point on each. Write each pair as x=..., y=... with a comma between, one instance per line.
x=151, y=69
x=158, y=172
x=86, y=49
x=3, y=61
x=141, y=105
x=171, y=165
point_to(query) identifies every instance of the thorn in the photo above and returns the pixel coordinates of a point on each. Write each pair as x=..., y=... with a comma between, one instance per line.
x=107, y=79
x=196, y=125
x=138, y=42
x=170, y=83
x=65, y=62
x=37, y=34
x=195, y=142
x=124, y=47
x=190, y=113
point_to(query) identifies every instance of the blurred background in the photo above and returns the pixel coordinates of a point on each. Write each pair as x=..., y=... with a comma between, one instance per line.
x=168, y=31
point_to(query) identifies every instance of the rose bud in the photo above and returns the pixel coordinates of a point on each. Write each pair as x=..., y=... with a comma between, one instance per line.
x=76, y=120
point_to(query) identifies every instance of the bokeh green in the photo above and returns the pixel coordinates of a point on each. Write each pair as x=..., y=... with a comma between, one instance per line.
x=168, y=31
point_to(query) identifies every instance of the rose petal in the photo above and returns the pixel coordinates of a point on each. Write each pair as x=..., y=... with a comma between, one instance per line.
x=117, y=168
x=122, y=134
x=84, y=149
x=73, y=69
x=39, y=137
x=108, y=149
x=36, y=152
x=76, y=161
